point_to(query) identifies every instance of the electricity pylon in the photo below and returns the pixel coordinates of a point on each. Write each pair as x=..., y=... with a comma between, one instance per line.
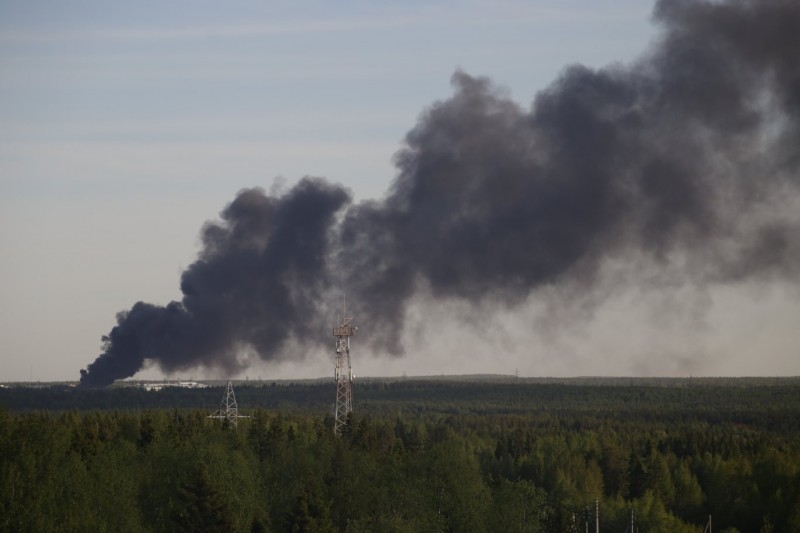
x=228, y=410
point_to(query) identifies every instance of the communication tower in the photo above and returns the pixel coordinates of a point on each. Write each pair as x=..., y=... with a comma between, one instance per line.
x=228, y=411
x=632, y=527
x=343, y=373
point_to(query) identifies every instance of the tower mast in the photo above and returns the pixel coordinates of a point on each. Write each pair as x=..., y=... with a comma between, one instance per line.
x=343, y=373
x=228, y=410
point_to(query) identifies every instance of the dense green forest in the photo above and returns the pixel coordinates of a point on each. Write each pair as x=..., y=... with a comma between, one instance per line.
x=417, y=455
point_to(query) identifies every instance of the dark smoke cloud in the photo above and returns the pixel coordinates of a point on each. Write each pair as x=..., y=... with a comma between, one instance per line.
x=255, y=285
x=687, y=160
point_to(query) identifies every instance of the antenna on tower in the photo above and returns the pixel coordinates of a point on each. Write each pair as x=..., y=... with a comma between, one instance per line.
x=343, y=373
x=632, y=527
x=228, y=411
x=597, y=515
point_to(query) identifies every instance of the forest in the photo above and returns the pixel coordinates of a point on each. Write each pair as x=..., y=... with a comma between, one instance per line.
x=417, y=455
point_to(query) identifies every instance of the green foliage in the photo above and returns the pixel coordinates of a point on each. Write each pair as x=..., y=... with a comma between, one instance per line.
x=201, y=506
x=444, y=465
x=518, y=507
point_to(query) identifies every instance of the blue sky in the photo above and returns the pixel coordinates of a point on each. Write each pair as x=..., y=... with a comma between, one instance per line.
x=343, y=82
x=125, y=125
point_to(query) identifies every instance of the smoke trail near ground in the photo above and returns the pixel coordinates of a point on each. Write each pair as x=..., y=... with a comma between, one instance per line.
x=687, y=161
x=256, y=284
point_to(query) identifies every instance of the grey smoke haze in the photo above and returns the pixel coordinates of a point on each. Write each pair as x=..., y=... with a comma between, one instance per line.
x=687, y=161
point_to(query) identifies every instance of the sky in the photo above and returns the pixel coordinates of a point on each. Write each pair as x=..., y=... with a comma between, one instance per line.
x=125, y=126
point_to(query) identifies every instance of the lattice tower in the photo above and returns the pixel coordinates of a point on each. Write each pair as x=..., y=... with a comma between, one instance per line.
x=343, y=374
x=228, y=411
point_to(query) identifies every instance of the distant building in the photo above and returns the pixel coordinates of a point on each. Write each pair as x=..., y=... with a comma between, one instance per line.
x=180, y=384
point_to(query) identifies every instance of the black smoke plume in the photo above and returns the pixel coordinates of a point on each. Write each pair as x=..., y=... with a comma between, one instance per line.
x=686, y=160
x=256, y=284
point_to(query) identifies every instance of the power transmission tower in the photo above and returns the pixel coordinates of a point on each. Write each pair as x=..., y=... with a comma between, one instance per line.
x=228, y=411
x=343, y=373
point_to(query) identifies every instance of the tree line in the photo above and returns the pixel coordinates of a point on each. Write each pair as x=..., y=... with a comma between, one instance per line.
x=415, y=457
x=770, y=403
